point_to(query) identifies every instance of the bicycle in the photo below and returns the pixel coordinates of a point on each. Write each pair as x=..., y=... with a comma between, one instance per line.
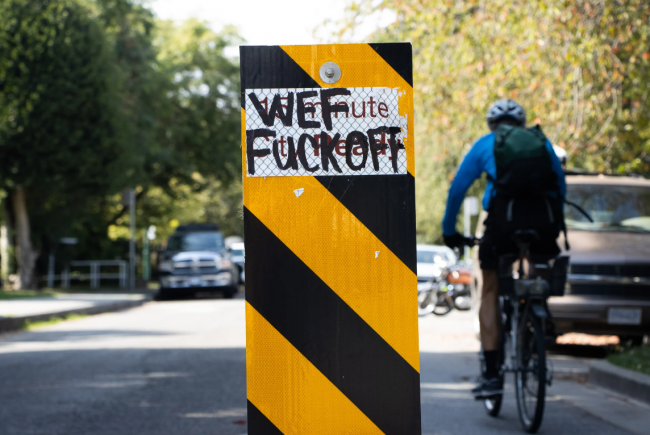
x=440, y=293
x=524, y=293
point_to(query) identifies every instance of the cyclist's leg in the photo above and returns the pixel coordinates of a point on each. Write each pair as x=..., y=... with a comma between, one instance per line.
x=489, y=318
x=489, y=312
x=490, y=321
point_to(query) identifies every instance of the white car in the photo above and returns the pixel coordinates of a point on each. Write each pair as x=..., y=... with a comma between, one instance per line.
x=238, y=257
x=430, y=258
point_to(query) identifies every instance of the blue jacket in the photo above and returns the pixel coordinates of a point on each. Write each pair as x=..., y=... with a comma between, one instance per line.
x=479, y=159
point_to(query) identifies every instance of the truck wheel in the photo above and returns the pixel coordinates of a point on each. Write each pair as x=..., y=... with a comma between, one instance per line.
x=161, y=295
x=230, y=292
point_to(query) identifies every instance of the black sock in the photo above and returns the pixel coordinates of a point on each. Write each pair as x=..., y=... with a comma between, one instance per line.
x=491, y=363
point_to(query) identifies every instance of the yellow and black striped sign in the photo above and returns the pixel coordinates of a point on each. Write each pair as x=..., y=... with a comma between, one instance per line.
x=331, y=318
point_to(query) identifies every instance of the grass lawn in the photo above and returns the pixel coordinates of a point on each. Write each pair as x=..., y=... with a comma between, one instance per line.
x=20, y=294
x=633, y=358
x=29, y=326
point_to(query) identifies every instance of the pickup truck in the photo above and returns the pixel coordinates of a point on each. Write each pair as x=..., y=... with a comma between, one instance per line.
x=196, y=260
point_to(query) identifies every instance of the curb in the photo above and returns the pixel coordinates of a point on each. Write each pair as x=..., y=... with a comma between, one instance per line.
x=12, y=324
x=623, y=381
x=580, y=376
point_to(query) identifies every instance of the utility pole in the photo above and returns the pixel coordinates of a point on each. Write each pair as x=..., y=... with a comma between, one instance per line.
x=4, y=255
x=50, y=269
x=146, y=267
x=132, y=240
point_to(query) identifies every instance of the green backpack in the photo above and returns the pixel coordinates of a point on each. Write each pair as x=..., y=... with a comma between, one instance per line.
x=523, y=162
x=527, y=195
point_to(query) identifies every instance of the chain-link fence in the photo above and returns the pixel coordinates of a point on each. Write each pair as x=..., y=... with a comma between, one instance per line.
x=341, y=131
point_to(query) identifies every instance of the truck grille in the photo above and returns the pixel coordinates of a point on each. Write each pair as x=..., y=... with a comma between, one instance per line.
x=201, y=264
x=623, y=270
x=619, y=291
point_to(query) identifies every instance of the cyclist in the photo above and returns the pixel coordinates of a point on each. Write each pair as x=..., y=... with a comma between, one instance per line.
x=478, y=160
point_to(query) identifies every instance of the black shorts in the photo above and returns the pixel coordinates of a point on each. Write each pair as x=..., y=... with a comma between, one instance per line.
x=493, y=246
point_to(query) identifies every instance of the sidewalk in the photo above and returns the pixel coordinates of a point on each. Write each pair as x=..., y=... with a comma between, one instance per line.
x=623, y=381
x=15, y=313
x=607, y=405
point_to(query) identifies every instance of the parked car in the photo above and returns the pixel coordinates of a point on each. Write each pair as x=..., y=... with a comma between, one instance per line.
x=429, y=259
x=238, y=257
x=195, y=260
x=438, y=266
x=608, y=284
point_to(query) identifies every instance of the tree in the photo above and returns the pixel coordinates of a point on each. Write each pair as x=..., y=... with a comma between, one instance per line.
x=581, y=69
x=59, y=114
x=193, y=169
x=95, y=97
x=201, y=123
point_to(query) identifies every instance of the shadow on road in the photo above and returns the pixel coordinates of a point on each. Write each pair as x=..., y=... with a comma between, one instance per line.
x=449, y=408
x=124, y=391
x=75, y=335
x=129, y=381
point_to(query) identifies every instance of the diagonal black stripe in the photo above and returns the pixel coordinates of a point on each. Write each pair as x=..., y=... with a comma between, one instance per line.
x=385, y=204
x=332, y=336
x=258, y=424
x=399, y=56
x=264, y=67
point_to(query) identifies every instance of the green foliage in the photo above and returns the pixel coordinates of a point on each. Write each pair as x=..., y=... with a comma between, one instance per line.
x=634, y=358
x=58, y=108
x=194, y=171
x=214, y=203
x=201, y=122
x=580, y=69
x=32, y=325
x=97, y=96
x=22, y=294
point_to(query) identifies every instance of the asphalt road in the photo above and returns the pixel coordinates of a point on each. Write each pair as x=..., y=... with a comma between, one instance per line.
x=178, y=368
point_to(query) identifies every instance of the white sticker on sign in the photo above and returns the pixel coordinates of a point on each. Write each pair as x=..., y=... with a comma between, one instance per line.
x=335, y=131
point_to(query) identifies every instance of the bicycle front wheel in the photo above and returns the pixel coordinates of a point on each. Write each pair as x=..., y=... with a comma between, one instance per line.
x=442, y=307
x=530, y=376
x=426, y=302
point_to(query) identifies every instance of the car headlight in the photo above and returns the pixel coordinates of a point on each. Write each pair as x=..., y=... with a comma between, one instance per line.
x=166, y=266
x=226, y=264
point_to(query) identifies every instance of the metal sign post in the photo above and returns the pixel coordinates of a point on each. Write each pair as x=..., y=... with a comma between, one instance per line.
x=146, y=267
x=132, y=239
x=329, y=217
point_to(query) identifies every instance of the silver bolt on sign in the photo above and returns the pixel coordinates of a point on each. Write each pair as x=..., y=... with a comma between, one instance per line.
x=330, y=73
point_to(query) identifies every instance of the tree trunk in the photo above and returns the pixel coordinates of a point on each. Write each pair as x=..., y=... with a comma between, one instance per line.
x=26, y=254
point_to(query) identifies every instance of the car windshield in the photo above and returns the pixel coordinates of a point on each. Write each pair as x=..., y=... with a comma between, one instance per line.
x=238, y=252
x=429, y=256
x=612, y=207
x=208, y=241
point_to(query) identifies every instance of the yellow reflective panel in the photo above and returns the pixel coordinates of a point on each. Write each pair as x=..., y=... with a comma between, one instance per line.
x=290, y=391
x=338, y=248
x=361, y=66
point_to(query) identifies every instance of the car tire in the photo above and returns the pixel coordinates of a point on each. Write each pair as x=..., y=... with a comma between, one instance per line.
x=230, y=292
x=161, y=295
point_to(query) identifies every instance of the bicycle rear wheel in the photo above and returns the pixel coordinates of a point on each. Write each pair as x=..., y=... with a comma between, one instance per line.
x=530, y=376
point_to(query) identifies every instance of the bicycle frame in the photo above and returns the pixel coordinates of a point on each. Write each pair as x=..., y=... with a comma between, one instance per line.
x=514, y=319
